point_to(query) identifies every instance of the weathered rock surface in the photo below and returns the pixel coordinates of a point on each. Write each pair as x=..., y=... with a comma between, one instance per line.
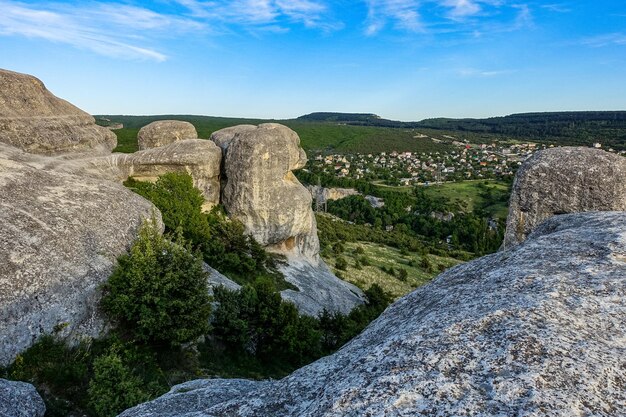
x=538, y=330
x=199, y=158
x=564, y=180
x=264, y=195
x=262, y=192
x=60, y=237
x=331, y=193
x=20, y=399
x=165, y=132
x=318, y=288
x=223, y=137
x=33, y=119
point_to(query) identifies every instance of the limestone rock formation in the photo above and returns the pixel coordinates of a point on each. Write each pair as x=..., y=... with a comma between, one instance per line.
x=331, y=193
x=564, y=180
x=199, y=158
x=33, y=119
x=223, y=137
x=20, y=399
x=165, y=132
x=537, y=330
x=263, y=193
x=60, y=237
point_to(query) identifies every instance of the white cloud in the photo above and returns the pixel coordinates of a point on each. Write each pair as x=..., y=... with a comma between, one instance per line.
x=481, y=73
x=403, y=14
x=607, y=39
x=260, y=13
x=462, y=8
x=116, y=30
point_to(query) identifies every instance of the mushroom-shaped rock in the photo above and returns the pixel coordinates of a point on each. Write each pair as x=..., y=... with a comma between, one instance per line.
x=36, y=121
x=262, y=192
x=564, y=180
x=20, y=399
x=165, y=132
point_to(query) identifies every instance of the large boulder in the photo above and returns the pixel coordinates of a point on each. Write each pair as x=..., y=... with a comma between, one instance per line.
x=60, y=237
x=165, y=132
x=19, y=399
x=262, y=192
x=537, y=330
x=34, y=120
x=564, y=180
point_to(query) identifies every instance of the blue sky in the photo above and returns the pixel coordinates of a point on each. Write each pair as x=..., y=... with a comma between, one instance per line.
x=401, y=59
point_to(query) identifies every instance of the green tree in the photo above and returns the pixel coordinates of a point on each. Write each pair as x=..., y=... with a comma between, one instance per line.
x=114, y=387
x=158, y=292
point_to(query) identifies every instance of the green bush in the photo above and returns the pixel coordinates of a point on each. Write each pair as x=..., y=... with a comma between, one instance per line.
x=341, y=263
x=158, y=293
x=114, y=387
x=222, y=241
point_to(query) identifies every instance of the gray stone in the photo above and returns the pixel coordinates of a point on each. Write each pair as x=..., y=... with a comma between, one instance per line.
x=318, y=288
x=263, y=193
x=564, y=180
x=60, y=237
x=20, y=399
x=537, y=330
x=164, y=132
x=223, y=137
x=34, y=120
x=331, y=193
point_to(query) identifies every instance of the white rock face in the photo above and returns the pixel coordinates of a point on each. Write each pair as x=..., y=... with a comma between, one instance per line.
x=34, y=120
x=538, y=330
x=60, y=237
x=564, y=180
x=331, y=193
x=264, y=195
x=19, y=399
x=164, y=132
x=261, y=191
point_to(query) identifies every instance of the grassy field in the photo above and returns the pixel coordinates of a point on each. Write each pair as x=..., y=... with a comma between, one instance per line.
x=380, y=256
x=468, y=194
x=314, y=136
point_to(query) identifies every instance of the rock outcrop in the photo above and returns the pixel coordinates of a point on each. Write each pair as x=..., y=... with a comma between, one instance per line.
x=331, y=193
x=564, y=180
x=223, y=137
x=165, y=132
x=537, y=330
x=60, y=237
x=20, y=399
x=262, y=192
x=34, y=120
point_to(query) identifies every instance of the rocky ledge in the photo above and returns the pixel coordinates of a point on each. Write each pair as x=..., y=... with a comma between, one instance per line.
x=538, y=330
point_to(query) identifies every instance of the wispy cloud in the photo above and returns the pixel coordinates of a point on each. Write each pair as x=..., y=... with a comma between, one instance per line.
x=481, y=73
x=605, y=40
x=273, y=14
x=127, y=31
x=474, y=17
x=402, y=14
x=557, y=8
x=116, y=30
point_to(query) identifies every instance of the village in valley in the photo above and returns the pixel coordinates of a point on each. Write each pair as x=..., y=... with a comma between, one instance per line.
x=465, y=162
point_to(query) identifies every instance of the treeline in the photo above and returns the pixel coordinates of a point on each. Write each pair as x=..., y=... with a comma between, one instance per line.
x=421, y=218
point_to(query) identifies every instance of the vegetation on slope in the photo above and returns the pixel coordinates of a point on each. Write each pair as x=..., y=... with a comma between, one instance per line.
x=157, y=300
